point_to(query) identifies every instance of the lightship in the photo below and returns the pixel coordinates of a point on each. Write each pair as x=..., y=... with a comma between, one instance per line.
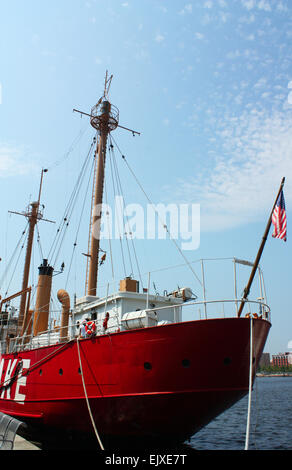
x=143, y=374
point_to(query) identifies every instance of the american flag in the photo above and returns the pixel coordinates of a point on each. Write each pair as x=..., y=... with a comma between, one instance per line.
x=279, y=218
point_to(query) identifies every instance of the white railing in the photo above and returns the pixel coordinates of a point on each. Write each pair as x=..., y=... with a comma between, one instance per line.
x=264, y=311
x=201, y=310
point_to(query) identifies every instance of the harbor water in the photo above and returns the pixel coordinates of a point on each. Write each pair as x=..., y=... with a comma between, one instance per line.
x=270, y=423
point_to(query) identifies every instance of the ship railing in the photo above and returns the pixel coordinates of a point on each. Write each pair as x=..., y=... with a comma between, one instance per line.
x=28, y=342
x=201, y=309
x=49, y=337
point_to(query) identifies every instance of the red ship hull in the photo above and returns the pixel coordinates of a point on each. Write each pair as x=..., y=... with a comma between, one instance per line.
x=161, y=383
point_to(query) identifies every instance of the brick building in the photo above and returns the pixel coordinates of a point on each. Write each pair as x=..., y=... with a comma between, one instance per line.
x=282, y=359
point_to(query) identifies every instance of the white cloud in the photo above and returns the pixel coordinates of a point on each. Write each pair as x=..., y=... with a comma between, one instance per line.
x=159, y=37
x=261, y=83
x=255, y=153
x=224, y=16
x=233, y=54
x=188, y=8
x=264, y=5
x=247, y=19
x=248, y=4
x=13, y=161
x=250, y=37
x=281, y=7
x=208, y=4
x=199, y=36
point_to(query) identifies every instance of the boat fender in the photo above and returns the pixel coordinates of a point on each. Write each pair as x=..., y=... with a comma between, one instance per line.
x=105, y=321
x=90, y=328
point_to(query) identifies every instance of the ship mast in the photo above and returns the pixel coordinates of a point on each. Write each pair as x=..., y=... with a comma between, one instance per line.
x=33, y=214
x=104, y=117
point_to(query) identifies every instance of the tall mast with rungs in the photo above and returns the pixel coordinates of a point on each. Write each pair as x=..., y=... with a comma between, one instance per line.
x=33, y=214
x=104, y=117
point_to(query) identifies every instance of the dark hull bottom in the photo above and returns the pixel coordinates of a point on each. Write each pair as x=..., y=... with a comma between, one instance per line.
x=149, y=422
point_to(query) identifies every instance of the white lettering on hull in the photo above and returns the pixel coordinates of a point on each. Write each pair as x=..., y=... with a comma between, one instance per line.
x=12, y=366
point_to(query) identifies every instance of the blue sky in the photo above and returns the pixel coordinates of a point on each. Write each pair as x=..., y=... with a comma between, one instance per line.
x=207, y=84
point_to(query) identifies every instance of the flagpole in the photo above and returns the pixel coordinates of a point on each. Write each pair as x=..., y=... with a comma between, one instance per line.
x=257, y=260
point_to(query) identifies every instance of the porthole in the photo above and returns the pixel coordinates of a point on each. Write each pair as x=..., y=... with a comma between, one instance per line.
x=186, y=363
x=227, y=361
x=40, y=371
x=147, y=366
x=60, y=371
x=79, y=371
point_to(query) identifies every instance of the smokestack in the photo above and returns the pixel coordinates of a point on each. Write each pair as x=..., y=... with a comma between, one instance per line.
x=42, y=306
x=64, y=298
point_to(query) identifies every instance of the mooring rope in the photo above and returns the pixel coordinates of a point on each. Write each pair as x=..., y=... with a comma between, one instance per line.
x=250, y=385
x=86, y=397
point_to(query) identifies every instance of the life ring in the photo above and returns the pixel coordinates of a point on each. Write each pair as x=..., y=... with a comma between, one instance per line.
x=90, y=328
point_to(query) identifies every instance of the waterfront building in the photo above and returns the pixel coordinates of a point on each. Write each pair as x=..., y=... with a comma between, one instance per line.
x=282, y=359
x=265, y=360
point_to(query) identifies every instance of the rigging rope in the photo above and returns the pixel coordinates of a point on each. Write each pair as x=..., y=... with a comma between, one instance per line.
x=91, y=212
x=80, y=219
x=61, y=231
x=161, y=221
x=86, y=397
x=71, y=147
x=115, y=192
x=17, y=261
x=39, y=243
x=8, y=265
x=109, y=238
x=119, y=185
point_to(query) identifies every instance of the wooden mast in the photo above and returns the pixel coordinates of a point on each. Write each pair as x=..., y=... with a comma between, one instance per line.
x=104, y=117
x=33, y=215
x=32, y=218
x=98, y=198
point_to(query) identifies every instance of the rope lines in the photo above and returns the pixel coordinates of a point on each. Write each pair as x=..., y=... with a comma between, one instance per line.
x=70, y=149
x=86, y=397
x=161, y=221
x=91, y=217
x=80, y=219
x=20, y=244
x=118, y=190
x=62, y=229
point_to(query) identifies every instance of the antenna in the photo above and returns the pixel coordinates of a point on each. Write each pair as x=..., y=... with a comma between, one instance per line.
x=107, y=84
x=104, y=107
